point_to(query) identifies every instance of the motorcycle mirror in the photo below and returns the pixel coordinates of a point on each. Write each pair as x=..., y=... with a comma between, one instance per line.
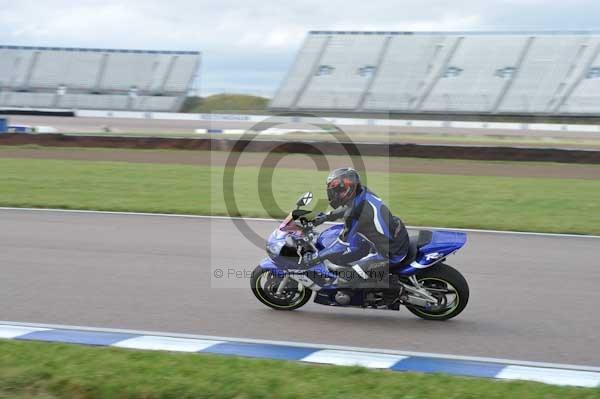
x=305, y=199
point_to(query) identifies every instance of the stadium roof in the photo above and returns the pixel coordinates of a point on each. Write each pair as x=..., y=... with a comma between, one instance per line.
x=437, y=33
x=98, y=50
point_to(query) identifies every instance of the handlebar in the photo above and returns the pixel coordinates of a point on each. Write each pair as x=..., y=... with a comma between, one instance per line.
x=329, y=216
x=320, y=218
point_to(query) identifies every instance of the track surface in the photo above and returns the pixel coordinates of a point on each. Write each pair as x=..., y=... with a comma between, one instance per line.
x=135, y=125
x=532, y=297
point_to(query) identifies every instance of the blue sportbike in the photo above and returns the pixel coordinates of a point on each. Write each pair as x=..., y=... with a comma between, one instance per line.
x=422, y=281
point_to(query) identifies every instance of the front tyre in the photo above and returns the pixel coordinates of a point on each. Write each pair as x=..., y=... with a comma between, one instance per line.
x=447, y=285
x=264, y=285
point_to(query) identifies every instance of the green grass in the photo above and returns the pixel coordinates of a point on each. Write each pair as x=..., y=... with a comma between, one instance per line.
x=223, y=103
x=44, y=370
x=505, y=203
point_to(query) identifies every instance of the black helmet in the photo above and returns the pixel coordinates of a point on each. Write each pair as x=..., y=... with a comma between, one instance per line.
x=342, y=186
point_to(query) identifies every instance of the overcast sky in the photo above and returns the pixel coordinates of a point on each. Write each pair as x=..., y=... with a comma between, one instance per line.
x=249, y=45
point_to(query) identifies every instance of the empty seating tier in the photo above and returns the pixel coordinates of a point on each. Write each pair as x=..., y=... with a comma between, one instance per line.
x=445, y=72
x=57, y=77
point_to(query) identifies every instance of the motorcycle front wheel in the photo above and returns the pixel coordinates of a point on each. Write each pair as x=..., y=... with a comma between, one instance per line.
x=264, y=285
x=447, y=285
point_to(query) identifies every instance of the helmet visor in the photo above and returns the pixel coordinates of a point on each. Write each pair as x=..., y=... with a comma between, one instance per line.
x=337, y=193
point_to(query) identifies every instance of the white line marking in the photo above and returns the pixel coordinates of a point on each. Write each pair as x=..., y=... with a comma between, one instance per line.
x=158, y=343
x=11, y=331
x=351, y=358
x=551, y=376
x=378, y=226
x=530, y=233
x=305, y=344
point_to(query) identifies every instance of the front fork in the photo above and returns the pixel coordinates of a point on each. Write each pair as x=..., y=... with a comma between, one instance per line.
x=283, y=284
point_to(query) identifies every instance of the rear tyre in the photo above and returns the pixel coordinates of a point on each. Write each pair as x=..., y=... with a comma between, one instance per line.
x=449, y=286
x=264, y=285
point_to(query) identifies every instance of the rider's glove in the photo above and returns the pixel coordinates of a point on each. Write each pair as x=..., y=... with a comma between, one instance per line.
x=320, y=218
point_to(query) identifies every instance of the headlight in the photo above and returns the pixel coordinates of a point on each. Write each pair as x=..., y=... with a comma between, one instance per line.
x=289, y=241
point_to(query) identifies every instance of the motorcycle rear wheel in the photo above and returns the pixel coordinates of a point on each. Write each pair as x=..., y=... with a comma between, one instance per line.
x=264, y=286
x=449, y=286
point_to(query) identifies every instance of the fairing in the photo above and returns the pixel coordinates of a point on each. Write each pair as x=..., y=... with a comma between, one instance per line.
x=443, y=244
x=357, y=248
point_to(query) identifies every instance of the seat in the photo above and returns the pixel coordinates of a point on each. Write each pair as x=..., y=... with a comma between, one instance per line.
x=416, y=240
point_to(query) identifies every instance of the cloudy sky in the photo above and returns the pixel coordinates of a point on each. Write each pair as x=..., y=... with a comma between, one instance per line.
x=248, y=45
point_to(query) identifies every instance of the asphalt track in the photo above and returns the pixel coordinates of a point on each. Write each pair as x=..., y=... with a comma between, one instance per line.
x=135, y=125
x=532, y=297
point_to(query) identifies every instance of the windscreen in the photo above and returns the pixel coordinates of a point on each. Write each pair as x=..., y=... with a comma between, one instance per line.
x=288, y=224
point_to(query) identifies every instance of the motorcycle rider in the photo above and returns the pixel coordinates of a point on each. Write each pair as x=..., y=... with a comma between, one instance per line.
x=365, y=215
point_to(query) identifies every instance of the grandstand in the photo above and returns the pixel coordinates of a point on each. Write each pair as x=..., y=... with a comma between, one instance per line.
x=511, y=73
x=83, y=78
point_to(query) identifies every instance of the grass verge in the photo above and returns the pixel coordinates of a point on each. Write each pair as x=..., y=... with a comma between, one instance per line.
x=223, y=103
x=504, y=203
x=44, y=370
